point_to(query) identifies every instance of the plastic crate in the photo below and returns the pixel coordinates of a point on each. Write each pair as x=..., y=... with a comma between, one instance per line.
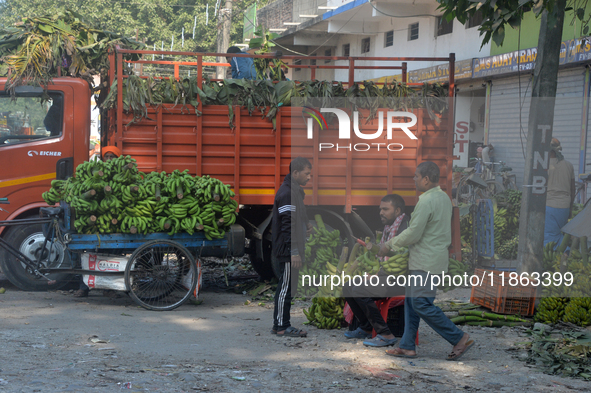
x=507, y=299
x=395, y=320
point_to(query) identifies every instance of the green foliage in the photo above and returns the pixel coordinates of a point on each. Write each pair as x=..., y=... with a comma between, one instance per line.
x=266, y=97
x=498, y=15
x=263, y=40
x=34, y=48
x=151, y=20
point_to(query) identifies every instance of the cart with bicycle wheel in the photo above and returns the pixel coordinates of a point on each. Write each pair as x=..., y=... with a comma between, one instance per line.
x=160, y=271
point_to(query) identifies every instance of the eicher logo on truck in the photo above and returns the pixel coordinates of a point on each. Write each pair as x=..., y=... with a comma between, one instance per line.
x=33, y=153
x=345, y=128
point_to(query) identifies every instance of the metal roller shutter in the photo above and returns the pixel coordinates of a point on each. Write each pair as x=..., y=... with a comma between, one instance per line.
x=504, y=131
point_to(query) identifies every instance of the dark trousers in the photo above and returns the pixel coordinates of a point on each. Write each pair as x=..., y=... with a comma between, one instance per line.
x=283, y=294
x=362, y=299
x=368, y=314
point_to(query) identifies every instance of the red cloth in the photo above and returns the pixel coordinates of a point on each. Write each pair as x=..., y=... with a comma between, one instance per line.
x=348, y=313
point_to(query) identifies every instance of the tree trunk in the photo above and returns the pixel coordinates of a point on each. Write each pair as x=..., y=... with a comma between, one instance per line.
x=223, y=38
x=539, y=135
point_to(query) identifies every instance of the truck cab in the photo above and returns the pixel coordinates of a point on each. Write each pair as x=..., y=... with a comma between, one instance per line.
x=44, y=135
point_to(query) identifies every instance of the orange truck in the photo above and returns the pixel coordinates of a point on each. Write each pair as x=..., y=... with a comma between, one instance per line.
x=41, y=140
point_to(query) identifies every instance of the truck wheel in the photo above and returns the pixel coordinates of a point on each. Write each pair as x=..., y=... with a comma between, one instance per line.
x=263, y=266
x=29, y=241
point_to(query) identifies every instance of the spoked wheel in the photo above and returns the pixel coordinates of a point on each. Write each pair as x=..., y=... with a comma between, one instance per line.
x=161, y=275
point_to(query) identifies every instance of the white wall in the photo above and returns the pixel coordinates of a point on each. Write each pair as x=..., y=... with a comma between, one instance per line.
x=465, y=43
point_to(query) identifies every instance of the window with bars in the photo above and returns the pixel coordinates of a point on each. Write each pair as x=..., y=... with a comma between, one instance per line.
x=389, y=39
x=346, y=50
x=413, y=31
x=365, y=45
x=327, y=52
x=443, y=26
x=297, y=62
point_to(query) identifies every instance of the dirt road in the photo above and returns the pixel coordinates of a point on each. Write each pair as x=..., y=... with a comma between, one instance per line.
x=53, y=342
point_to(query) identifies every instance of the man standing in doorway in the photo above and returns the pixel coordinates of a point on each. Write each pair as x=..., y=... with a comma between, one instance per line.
x=561, y=194
x=428, y=237
x=290, y=226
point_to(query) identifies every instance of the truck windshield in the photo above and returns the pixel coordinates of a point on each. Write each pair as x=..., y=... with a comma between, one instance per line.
x=26, y=119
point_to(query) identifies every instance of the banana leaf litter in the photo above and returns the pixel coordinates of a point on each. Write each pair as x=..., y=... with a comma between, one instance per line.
x=561, y=352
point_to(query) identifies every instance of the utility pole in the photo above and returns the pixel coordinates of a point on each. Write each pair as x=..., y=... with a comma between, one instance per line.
x=223, y=38
x=539, y=135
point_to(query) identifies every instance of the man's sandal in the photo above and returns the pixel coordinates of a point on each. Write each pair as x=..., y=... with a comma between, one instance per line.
x=456, y=355
x=291, y=332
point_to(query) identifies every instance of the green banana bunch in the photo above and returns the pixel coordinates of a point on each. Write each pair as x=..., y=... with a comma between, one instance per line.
x=455, y=268
x=551, y=309
x=211, y=189
x=56, y=193
x=111, y=197
x=397, y=264
x=508, y=249
x=178, y=184
x=326, y=312
x=578, y=311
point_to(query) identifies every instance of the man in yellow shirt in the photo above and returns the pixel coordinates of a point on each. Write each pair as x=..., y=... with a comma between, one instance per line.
x=560, y=195
x=428, y=238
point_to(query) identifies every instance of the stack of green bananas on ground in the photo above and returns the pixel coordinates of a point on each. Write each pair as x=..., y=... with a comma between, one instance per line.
x=397, y=264
x=320, y=255
x=578, y=311
x=114, y=197
x=551, y=309
x=455, y=268
x=577, y=263
x=326, y=312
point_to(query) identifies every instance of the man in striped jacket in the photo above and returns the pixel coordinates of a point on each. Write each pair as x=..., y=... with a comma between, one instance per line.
x=289, y=229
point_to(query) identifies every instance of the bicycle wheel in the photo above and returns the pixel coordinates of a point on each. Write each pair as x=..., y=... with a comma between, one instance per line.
x=161, y=275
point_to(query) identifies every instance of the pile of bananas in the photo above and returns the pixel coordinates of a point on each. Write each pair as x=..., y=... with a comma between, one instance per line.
x=326, y=312
x=569, y=303
x=551, y=256
x=114, y=197
x=466, y=229
x=368, y=261
x=321, y=255
x=455, y=268
x=551, y=309
x=513, y=199
x=578, y=311
x=397, y=264
x=506, y=224
x=508, y=249
x=54, y=194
